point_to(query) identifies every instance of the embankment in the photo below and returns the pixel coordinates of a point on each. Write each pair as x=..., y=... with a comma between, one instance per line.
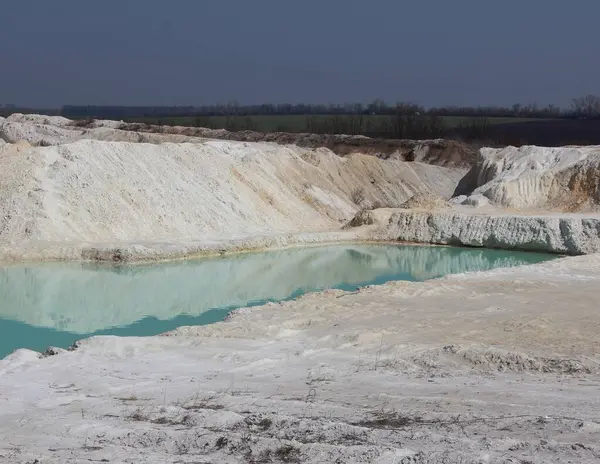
x=55, y=130
x=92, y=199
x=556, y=233
x=437, y=151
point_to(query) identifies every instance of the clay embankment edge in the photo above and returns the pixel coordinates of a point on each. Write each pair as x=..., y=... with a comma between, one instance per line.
x=557, y=233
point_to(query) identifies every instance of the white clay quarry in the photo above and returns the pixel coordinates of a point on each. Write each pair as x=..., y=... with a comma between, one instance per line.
x=498, y=366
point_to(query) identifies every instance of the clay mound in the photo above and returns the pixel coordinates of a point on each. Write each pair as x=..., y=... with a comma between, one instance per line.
x=104, y=192
x=41, y=131
x=563, y=179
x=36, y=133
x=58, y=121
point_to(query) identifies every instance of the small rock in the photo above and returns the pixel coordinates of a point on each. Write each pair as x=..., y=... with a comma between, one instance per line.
x=53, y=351
x=477, y=200
x=457, y=200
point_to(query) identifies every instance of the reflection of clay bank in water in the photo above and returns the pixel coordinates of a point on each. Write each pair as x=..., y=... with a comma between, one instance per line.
x=85, y=298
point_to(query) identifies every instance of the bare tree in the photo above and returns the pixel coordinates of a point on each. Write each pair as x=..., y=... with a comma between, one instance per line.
x=376, y=106
x=588, y=105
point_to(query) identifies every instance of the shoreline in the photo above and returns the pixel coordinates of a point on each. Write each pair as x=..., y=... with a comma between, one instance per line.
x=76, y=303
x=563, y=234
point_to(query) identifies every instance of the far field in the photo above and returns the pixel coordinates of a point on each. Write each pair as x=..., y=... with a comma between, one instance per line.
x=493, y=131
x=298, y=123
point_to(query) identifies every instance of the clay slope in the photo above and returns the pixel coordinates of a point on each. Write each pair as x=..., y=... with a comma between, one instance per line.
x=91, y=191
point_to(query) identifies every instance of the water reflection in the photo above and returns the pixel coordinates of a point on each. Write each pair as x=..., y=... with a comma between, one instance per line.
x=87, y=298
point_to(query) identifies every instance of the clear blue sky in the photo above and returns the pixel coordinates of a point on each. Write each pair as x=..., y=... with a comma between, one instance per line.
x=178, y=52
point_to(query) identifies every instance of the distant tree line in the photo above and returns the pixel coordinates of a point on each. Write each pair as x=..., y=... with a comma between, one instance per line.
x=587, y=106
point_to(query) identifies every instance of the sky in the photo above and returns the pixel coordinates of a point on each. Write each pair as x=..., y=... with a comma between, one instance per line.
x=196, y=52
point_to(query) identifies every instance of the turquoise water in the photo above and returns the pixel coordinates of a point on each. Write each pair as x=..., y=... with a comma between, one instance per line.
x=56, y=304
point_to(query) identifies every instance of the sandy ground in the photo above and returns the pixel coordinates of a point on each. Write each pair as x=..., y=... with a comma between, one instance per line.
x=499, y=366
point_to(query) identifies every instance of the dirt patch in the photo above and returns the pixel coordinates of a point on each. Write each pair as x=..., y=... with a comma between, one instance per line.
x=512, y=361
x=362, y=218
x=425, y=201
x=576, y=190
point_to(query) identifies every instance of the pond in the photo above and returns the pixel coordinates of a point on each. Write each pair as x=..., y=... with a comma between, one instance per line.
x=56, y=304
